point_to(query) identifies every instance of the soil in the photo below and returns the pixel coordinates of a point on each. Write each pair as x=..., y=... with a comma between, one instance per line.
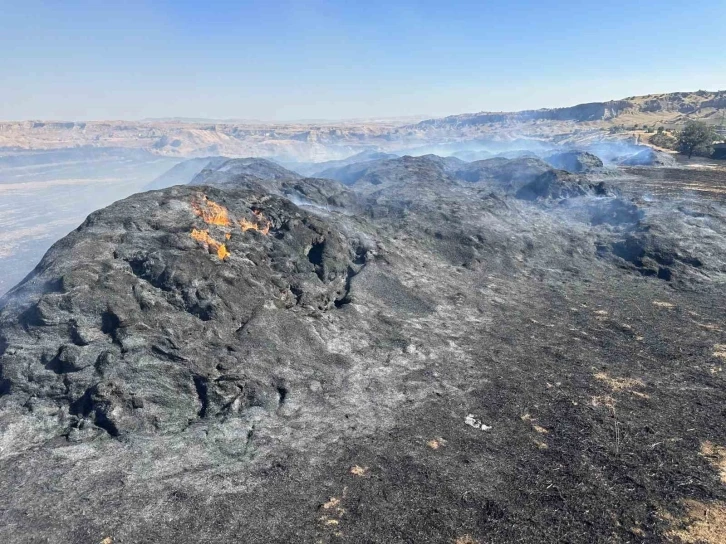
x=433, y=360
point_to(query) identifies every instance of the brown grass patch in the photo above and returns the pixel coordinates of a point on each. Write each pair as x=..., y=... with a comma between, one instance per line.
x=436, y=443
x=619, y=384
x=719, y=350
x=334, y=512
x=334, y=502
x=466, y=539
x=704, y=523
x=358, y=470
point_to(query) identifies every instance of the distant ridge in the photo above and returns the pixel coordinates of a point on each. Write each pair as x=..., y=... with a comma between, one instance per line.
x=700, y=104
x=317, y=142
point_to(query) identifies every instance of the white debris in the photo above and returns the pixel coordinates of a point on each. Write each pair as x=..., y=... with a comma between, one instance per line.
x=472, y=421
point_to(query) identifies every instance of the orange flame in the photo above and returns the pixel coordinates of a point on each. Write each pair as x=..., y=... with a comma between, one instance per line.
x=211, y=212
x=204, y=237
x=263, y=228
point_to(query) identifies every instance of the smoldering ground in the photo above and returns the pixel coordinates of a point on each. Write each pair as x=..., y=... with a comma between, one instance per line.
x=484, y=353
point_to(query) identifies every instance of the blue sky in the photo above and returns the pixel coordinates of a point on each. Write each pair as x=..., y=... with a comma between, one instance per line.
x=321, y=59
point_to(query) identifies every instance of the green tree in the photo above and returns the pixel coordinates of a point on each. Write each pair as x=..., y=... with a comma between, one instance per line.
x=696, y=137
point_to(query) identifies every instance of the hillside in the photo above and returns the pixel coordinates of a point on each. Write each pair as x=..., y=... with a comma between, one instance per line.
x=670, y=107
x=297, y=143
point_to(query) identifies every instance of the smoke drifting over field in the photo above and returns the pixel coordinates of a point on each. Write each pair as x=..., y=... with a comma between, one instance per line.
x=45, y=195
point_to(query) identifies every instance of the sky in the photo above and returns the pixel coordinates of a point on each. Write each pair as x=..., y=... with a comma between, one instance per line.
x=322, y=59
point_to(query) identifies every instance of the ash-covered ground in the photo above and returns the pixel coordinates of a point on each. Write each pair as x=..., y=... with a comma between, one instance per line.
x=437, y=351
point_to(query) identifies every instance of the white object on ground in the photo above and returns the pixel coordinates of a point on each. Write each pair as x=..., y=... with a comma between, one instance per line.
x=472, y=421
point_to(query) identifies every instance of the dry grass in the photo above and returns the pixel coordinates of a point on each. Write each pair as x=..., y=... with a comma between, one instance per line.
x=620, y=384
x=704, y=524
x=662, y=304
x=436, y=443
x=466, y=539
x=334, y=502
x=538, y=429
x=358, y=470
x=719, y=350
x=334, y=512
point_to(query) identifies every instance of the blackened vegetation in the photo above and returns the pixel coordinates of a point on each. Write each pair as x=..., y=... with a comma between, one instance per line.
x=345, y=298
x=4, y=383
x=200, y=385
x=466, y=352
x=95, y=405
x=110, y=323
x=652, y=256
x=359, y=262
x=315, y=256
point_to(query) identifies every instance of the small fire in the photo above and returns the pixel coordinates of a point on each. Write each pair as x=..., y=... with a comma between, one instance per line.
x=204, y=237
x=263, y=224
x=216, y=214
x=211, y=212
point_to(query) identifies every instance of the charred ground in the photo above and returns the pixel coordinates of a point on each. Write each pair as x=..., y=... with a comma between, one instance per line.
x=439, y=352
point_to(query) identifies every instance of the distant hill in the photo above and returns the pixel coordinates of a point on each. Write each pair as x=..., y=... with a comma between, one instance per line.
x=673, y=107
x=301, y=144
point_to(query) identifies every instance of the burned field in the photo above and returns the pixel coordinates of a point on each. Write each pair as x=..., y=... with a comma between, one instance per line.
x=707, y=182
x=438, y=352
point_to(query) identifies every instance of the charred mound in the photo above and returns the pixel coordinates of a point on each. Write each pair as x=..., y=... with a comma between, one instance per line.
x=217, y=172
x=406, y=168
x=675, y=244
x=328, y=169
x=442, y=362
x=558, y=184
x=575, y=162
x=135, y=320
x=509, y=174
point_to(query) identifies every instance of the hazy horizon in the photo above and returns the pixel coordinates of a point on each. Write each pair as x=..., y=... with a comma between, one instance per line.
x=324, y=120
x=323, y=60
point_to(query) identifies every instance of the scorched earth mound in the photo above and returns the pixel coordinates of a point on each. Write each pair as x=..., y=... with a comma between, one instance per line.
x=454, y=352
